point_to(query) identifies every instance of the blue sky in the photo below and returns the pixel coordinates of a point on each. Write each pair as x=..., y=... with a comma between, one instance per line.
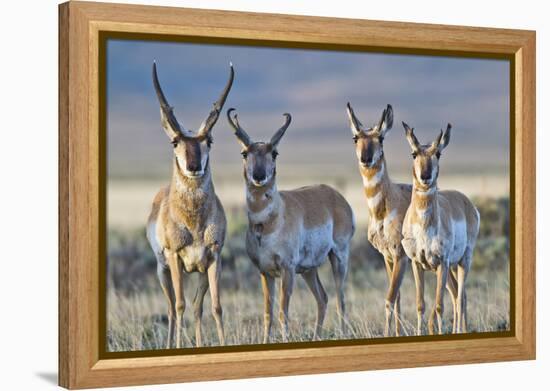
x=314, y=86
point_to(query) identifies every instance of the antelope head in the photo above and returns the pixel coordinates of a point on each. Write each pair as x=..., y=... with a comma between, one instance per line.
x=191, y=149
x=426, y=157
x=258, y=157
x=369, y=141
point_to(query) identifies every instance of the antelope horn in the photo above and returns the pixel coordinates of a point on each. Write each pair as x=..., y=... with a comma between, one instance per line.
x=166, y=109
x=212, y=118
x=279, y=134
x=357, y=125
x=239, y=132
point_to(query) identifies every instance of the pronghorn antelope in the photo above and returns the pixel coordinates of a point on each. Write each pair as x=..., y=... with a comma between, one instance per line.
x=439, y=231
x=292, y=232
x=186, y=227
x=387, y=204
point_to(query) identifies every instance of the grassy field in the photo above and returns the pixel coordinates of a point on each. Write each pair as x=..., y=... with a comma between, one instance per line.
x=136, y=308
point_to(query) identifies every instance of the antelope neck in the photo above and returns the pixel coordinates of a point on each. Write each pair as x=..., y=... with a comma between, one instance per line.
x=190, y=198
x=373, y=176
x=425, y=203
x=376, y=184
x=262, y=203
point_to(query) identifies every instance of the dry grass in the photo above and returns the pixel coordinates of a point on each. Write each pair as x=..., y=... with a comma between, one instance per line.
x=137, y=319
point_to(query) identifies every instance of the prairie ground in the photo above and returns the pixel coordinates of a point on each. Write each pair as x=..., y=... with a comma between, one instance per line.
x=137, y=321
x=136, y=308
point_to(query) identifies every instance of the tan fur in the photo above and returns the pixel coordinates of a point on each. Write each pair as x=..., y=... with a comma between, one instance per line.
x=190, y=224
x=386, y=236
x=439, y=233
x=186, y=226
x=159, y=197
x=292, y=232
x=194, y=217
x=387, y=204
x=277, y=247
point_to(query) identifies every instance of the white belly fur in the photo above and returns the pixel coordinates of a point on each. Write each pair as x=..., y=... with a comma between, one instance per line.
x=460, y=242
x=450, y=248
x=315, y=246
x=309, y=251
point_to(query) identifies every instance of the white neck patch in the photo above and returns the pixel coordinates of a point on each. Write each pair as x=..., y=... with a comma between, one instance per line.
x=262, y=215
x=368, y=182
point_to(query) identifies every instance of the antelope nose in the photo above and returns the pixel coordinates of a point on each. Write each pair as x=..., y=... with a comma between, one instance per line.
x=425, y=176
x=366, y=161
x=193, y=167
x=258, y=176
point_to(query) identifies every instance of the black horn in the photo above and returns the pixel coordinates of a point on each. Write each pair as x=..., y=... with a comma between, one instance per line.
x=239, y=132
x=279, y=134
x=167, y=110
x=218, y=105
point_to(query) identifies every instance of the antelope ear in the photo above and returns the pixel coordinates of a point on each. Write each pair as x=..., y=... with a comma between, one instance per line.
x=355, y=124
x=445, y=138
x=411, y=138
x=386, y=121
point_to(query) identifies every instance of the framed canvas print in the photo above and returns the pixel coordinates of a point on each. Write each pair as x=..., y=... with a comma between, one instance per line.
x=247, y=195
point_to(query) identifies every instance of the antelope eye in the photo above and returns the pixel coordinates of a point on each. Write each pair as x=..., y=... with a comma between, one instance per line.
x=209, y=142
x=174, y=144
x=438, y=155
x=381, y=139
x=274, y=154
x=244, y=154
x=355, y=139
x=414, y=155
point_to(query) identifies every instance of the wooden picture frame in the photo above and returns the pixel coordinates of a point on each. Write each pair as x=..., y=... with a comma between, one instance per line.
x=82, y=29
